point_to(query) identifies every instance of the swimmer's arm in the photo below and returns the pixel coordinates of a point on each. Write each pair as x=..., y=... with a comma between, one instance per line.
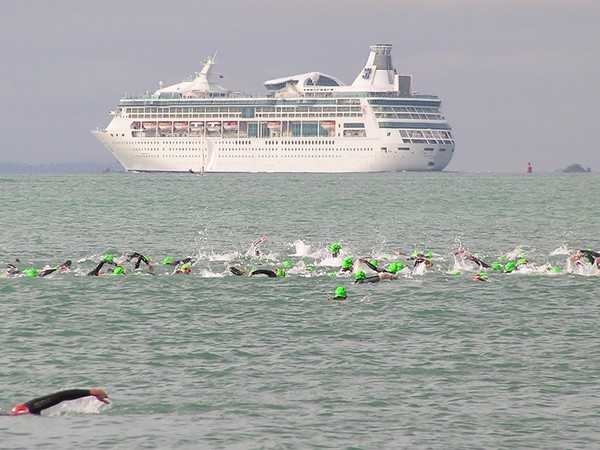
x=37, y=405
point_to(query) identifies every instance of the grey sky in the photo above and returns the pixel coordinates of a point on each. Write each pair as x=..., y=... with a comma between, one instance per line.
x=519, y=80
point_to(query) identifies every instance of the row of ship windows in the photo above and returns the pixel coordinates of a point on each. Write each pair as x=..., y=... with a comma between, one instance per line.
x=297, y=150
x=238, y=116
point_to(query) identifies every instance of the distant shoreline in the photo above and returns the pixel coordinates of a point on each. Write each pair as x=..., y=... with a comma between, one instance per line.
x=59, y=168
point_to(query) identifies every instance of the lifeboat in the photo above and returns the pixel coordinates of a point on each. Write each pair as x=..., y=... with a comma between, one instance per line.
x=276, y=125
x=135, y=125
x=229, y=126
x=328, y=124
x=213, y=126
x=181, y=124
x=165, y=125
x=197, y=125
x=149, y=125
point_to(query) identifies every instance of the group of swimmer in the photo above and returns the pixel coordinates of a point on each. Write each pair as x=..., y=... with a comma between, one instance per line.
x=362, y=269
x=420, y=261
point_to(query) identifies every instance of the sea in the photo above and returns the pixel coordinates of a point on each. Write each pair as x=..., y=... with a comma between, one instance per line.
x=435, y=359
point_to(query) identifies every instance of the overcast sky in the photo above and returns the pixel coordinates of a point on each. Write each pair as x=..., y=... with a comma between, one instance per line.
x=519, y=80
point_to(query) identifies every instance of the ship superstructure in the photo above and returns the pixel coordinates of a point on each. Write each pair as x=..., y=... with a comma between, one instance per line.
x=311, y=122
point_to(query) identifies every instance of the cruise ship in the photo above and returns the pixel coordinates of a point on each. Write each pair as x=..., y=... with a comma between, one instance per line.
x=311, y=122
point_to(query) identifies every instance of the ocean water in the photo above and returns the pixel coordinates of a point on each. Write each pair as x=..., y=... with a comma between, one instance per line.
x=433, y=359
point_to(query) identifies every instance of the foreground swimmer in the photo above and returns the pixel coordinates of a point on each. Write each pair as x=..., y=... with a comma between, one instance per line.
x=37, y=405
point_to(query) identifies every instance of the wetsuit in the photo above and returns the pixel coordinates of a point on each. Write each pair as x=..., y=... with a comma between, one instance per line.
x=64, y=265
x=178, y=261
x=37, y=405
x=269, y=273
x=96, y=270
x=373, y=279
x=477, y=261
x=236, y=271
x=590, y=255
x=140, y=258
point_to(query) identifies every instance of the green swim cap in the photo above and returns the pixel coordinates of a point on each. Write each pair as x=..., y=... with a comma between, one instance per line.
x=374, y=262
x=428, y=255
x=340, y=292
x=287, y=264
x=497, y=266
x=186, y=266
x=501, y=258
x=455, y=272
x=483, y=275
x=30, y=272
x=347, y=263
x=280, y=272
x=510, y=266
x=335, y=247
x=393, y=267
x=331, y=274
x=521, y=261
x=119, y=271
x=360, y=275
x=555, y=269
x=108, y=258
x=310, y=268
x=168, y=260
x=399, y=265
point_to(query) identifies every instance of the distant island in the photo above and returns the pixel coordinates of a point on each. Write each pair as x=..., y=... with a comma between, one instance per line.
x=63, y=168
x=576, y=168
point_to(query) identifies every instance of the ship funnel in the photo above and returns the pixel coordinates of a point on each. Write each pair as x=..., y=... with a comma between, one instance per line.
x=379, y=71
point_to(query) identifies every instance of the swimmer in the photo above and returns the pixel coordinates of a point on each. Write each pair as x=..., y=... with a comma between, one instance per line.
x=335, y=249
x=64, y=266
x=140, y=258
x=254, y=249
x=108, y=259
x=340, y=293
x=590, y=255
x=37, y=405
x=347, y=265
x=477, y=261
x=269, y=273
x=360, y=277
x=170, y=261
x=393, y=267
x=185, y=269
x=481, y=276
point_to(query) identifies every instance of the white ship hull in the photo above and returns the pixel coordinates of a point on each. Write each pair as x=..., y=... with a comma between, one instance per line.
x=311, y=123
x=324, y=155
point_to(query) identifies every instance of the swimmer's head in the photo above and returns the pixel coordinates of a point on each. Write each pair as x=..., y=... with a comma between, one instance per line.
x=287, y=264
x=335, y=247
x=186, y=268
x=374, y=262
x=510, y=266
x=497, y=266
x=347, y=263
x=119, y=271
x=280, y=273
x=108, y=258
x=393, y=267
x=555, y=269
x=521, y=261
x=18, y=410
x=168, y=260
x=30, y=272
x=340, y=293
x=360, y=275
